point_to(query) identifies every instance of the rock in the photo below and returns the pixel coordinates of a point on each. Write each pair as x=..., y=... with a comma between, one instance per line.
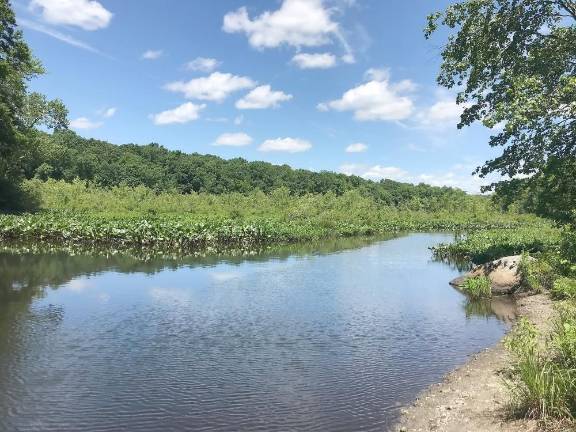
x=503, y=273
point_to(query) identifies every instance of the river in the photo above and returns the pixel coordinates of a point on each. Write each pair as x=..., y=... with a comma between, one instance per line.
x=333, y=338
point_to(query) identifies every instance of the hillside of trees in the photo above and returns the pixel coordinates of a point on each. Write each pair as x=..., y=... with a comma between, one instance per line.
x=66, y=156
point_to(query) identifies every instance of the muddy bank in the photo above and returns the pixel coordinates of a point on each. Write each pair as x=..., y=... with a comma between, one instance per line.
x=473, y=398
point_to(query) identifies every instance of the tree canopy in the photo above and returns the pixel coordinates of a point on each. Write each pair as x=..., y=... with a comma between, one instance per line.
x=19, y=110
x=513, y=64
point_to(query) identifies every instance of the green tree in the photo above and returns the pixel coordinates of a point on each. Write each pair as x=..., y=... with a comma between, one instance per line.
x=513, y=63
x=19, y=111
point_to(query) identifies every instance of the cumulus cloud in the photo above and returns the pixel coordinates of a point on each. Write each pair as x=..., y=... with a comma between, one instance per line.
x=215, y=87
x=289, y=145
x=457, y=176
x=356, y=148
x=443, y=113
x=86, y=14
x=376, y=100
x=239, y=139
x=314, y=61
x=203, y=64
x=84, y=123
x=262, y=97
x=152, y=54
x=182, y=114
x=297, y=23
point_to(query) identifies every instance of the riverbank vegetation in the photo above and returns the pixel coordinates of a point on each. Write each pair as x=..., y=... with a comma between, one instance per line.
x=123, y=216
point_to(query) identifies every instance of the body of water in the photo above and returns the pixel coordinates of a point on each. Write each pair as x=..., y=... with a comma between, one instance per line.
x=325, y=339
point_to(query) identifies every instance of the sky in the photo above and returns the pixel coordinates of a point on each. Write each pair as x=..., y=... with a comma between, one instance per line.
x=339, y=85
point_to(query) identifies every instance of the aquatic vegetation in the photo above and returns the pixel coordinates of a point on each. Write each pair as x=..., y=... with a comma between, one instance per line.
x=478, y=287
x=121, y=217
x=487, y=245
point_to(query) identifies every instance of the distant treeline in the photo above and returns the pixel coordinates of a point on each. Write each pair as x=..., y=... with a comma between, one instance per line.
x=67, y=156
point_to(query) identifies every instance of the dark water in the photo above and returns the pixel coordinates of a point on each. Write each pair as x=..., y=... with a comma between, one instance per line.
x=335, y=340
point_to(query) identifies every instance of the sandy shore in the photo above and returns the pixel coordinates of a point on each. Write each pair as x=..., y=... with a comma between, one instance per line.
x=473, y=398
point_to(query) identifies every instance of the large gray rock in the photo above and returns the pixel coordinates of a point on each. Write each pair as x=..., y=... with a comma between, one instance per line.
x=503, y=273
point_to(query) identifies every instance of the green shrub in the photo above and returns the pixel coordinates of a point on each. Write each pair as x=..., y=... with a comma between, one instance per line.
x=536, y=274
x=564, y=288
x=564, y=335
x=478, y=287
x=540, y=387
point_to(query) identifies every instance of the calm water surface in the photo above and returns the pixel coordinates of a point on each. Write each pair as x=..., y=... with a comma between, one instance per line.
x=335, y=340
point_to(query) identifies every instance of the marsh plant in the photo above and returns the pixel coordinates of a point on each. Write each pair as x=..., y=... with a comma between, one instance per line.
x=478, y=287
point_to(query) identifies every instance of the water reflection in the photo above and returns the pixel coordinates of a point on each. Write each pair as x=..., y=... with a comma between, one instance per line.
x=331, y=336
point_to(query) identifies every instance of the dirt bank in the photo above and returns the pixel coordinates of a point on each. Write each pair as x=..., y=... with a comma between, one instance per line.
x=473, y=397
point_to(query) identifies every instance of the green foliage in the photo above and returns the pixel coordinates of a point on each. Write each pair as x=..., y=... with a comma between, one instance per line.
x=66, y=156
x=536, y=274
x=487, y=245
x=514, y=64
x=564, y=288
x=478, y=287
x=550, y=193
x=19, y=111
x=541, y=387
x=564, y=336
x=83, y=213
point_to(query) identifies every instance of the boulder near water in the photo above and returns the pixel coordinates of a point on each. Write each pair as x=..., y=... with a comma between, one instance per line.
x=503, y=273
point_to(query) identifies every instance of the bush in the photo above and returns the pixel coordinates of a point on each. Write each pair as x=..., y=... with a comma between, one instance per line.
x=536, y=275
x=564, y=335
x=564, y=288
x=478, y=287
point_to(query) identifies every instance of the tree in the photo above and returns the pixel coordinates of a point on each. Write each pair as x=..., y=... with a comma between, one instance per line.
x=19, y=111
x=513, y=63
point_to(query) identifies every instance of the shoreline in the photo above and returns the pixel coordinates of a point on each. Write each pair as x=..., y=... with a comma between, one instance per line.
x=473, y=397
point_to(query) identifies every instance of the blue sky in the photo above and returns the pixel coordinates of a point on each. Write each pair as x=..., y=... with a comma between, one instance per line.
x=340, y=85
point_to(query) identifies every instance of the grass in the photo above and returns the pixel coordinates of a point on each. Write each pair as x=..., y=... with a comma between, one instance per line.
x=542, y=387
x=478, y=287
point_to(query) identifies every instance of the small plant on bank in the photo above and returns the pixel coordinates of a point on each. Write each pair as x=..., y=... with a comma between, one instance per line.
x=564, y=288
x=478, y=287
x=536, y=275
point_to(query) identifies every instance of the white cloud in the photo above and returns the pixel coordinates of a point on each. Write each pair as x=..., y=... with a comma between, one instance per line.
x=297, y=23
x=152, y=54
x=314, y=61
x=262, y=97
x=215, y=87
x=86, y=14
x=203, y=64
x=443, y=113
x=239, y=139
x=108, y=112
x=182, y=114
x=84, y=123
x=457, y=176
x=376, y=100
x=356, y=148
x=57, y=35
x=289, y=145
